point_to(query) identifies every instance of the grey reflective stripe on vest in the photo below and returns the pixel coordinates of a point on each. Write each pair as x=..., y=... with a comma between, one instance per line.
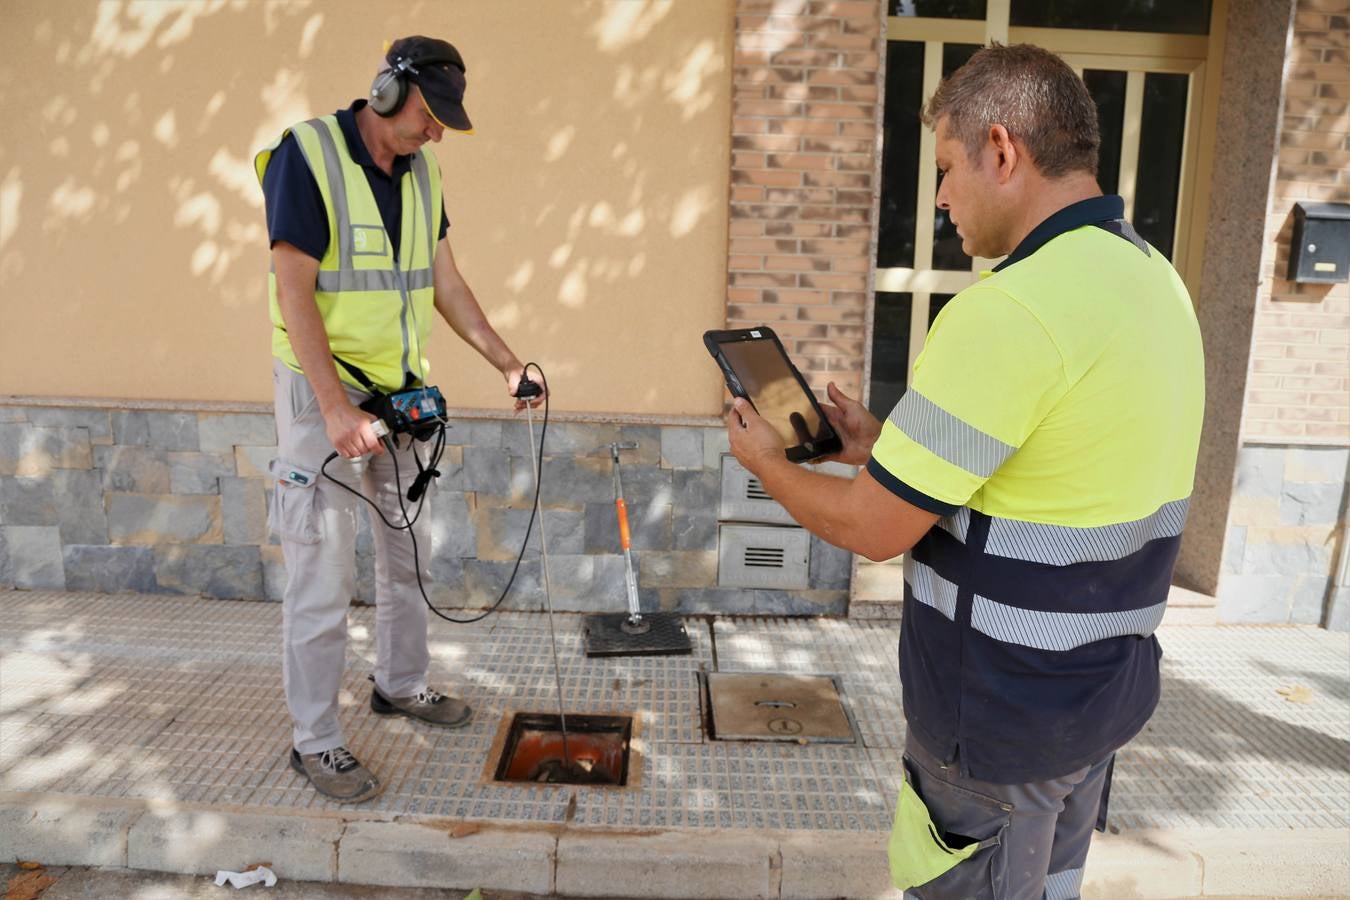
x=930, y=588
x=419, y=168
x=1063, y=545
x=957, y=524
x=372, y=280
x=1066, y=885
x=337, y=190
x=1056, y=630
x=943, y=434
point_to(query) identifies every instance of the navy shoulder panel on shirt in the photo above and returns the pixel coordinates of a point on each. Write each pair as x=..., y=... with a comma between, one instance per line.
x=295, y=209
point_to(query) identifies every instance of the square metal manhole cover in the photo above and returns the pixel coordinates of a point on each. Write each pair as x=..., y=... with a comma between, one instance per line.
x=754, y=706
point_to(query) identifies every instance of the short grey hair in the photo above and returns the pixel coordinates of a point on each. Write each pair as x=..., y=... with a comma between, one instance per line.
x=1033, y=94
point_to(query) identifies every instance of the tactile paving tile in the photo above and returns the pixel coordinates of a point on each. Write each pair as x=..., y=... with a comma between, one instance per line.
x=805, y=788
x=181, y=698
x=806, y=646
x=682, y=786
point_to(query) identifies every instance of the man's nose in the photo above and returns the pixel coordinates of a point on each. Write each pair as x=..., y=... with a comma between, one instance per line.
x=434, y=132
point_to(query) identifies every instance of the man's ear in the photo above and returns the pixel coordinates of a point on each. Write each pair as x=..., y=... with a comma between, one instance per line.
x=1007, y=154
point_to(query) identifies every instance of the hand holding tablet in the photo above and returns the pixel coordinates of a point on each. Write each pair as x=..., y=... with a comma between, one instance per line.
x=757, y=368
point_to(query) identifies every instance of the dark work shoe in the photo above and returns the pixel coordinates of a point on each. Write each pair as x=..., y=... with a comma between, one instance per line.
x=336, y=773
x=428, y=706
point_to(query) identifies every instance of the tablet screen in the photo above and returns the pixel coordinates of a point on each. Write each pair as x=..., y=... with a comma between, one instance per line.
x=775, y=391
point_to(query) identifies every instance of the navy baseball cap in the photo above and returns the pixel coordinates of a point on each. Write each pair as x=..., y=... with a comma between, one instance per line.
x=438, y=70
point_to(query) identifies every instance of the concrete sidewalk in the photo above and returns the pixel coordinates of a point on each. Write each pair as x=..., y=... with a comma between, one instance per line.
x=151, y=733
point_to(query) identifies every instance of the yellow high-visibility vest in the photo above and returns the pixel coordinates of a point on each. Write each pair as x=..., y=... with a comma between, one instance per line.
x=377, y=310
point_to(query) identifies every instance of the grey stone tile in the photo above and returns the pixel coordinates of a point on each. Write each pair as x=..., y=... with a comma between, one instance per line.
x=1310, y=596
x=35, y=559
x=1235, y=545
x=578, y=480
x=1260, y=472
x=566, y=531
x=199, y=473
x=79, y=499
x=677, y=569
x=476, y=433
x=133, y=469
x=648, y=449
x=26, y=449
x=273, y=573
x=1311, y=504
x=695, y=515
x=165, y=430
x=256, y=462
x=221, y=432
x=454, y=534
x=715, y=443
x=831, y=568
x=1317, y=465
x=6, y=569
x=1293, y=557
x=96, y=421
x=579, y=439
x=650, y=527
x=484, y=469
x=163, y=519
x=243, y=510
x=10, y=414
x=227, y=573
x=500, y=531
x=682, y=447
x=1250, y=598
x=647, y=484
x=110, y=569
x=27, y=500
x=484, y=581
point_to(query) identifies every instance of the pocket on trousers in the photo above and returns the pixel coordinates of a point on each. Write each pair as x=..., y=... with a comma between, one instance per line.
x=295, y=515
x=946, y=841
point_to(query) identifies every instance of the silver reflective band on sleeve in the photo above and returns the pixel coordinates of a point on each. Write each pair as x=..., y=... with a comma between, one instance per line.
x=957, y=524
x=371, y=280
x=943, y=434
x=1063, y=545
x=930, y=588
x=1056, y=630
x=1066, y=885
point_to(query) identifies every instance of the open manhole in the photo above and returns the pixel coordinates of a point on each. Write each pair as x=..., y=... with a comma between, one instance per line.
x=596, y=753
x=753, y=706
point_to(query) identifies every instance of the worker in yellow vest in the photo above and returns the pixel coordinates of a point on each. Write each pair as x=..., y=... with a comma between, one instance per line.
x=360, y=267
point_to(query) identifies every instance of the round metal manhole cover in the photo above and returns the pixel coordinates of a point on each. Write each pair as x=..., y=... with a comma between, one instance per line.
x=785, y=726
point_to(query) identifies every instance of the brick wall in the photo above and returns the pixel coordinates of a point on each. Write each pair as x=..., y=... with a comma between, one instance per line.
x=1299, y=388
x=804, y=132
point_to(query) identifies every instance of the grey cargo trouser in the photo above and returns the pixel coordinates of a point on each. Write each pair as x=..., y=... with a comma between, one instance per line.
x=315, y=521
x=1046, y=829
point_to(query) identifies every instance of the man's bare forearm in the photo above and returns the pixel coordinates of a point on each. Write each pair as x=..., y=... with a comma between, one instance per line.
x=820, y=503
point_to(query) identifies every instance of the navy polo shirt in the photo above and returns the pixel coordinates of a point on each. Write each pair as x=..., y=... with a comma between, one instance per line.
x=295, y=208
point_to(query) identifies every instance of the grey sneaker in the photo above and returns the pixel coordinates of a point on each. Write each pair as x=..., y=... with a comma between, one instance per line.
x=336, y=773
x=429, y=705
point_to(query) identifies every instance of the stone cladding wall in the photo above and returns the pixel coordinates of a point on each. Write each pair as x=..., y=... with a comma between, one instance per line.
x=159, y=501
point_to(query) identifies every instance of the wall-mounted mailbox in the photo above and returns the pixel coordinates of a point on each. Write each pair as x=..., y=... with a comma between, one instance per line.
x=1319, y=252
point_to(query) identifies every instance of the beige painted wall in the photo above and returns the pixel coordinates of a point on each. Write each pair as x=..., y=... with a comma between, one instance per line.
x=589, y=210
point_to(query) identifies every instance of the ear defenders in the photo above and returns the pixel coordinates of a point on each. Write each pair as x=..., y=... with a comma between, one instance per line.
x=389, y=91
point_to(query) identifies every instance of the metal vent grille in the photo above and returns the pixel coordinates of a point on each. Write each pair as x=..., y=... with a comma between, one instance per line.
x=744, y=498
x=763, y=556
x=754, y=490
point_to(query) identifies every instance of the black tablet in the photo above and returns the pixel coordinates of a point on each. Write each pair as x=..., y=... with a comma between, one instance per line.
x=757, y=368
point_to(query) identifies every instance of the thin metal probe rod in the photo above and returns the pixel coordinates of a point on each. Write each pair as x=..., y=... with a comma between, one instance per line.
x=548, y=596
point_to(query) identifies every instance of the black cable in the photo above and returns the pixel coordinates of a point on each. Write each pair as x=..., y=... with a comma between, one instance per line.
x=408, y=524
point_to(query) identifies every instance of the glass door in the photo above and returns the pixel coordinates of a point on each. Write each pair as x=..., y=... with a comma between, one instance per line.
x=1145, y=64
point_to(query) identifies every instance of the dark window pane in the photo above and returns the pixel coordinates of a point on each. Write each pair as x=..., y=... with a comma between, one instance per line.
x=900, y=154
x=1108, y=92
x=935, y=304
x=947, y=252
x=937, y=9
x=1167, y=16
x=890, y=351
x=1162, y=127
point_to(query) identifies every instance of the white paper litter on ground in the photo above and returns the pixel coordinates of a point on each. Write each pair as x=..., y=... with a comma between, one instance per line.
x=244, y=879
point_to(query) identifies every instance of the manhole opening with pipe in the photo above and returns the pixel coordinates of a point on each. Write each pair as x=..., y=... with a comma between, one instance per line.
x=597, y=750
x=755, y=706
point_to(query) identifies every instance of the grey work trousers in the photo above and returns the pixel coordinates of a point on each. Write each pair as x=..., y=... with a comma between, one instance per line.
x=1046, y=829
x=315, y=521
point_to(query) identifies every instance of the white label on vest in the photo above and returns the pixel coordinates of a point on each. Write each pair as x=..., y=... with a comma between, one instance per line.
x=368, y=240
